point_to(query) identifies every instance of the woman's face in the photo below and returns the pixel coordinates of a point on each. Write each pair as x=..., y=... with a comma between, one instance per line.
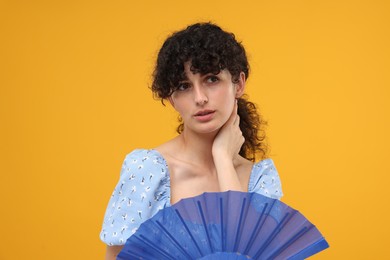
x=205, y=102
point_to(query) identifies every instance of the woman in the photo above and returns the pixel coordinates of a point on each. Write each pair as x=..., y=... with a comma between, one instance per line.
x=202, y=72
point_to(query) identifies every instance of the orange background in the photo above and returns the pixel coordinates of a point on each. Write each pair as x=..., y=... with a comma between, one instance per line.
x=74, y=100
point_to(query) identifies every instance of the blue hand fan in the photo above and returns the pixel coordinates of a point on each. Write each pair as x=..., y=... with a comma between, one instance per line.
x=225, y=225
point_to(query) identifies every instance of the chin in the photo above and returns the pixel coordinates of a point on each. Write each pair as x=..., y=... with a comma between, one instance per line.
x=206, y=129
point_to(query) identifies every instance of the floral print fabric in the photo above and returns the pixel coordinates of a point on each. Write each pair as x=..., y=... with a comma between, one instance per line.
x=144, y=188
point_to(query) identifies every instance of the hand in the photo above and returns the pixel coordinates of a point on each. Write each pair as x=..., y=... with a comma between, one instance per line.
x=229, y=139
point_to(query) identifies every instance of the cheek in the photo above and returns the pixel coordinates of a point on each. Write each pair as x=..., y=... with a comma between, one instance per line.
x=228, y=106
x=228, y=100
x=180, y=107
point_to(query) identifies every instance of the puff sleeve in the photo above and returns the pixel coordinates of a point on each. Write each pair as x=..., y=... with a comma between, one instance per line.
x=265, y=180
x=143, y=189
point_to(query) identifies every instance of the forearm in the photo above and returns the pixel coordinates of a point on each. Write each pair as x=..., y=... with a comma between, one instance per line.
x=227, y=175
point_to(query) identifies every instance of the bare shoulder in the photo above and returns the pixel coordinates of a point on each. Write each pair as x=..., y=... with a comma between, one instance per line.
x=168, y=147
x=169, y=151
x=244, y=169
x=243, y=164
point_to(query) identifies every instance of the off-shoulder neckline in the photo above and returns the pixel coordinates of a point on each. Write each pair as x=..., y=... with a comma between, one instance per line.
x=255, y=164
x=252, y=177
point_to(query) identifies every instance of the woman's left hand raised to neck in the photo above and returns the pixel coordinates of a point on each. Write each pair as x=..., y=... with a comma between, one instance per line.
x=225, y=151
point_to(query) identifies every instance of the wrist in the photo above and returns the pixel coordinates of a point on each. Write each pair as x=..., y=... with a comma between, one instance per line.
x=223, y=164
x=221, y=155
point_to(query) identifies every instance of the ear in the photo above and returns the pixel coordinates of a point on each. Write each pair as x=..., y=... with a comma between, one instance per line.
x=240, y=85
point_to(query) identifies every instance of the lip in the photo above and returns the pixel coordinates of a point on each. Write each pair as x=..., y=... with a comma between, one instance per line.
x=204, y=115
x=204, y=112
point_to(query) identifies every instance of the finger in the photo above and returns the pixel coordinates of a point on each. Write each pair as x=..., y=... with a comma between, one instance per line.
x=235, y=111
x=237, y=120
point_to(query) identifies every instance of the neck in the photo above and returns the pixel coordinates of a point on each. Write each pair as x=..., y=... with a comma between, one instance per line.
x=197, y=147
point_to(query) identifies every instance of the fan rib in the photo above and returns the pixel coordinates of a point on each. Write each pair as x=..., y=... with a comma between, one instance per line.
x=176, y=243
x=278, y=228
x=155, y=247
x=265, y=217
x=128, y=255
x=205, y=225
x=312, y=249
x=189, y=232
x=267, y=229
x=256, y=230
x=298, y=235
x=222, y=227
x=239, y=225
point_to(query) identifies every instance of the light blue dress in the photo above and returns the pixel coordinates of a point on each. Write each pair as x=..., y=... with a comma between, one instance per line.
x=144, y=188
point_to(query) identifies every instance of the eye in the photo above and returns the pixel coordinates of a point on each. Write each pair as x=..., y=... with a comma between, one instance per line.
x=212, y=79
x=183, y=86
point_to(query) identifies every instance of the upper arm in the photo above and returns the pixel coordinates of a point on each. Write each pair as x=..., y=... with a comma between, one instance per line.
x=141, y=191
x=112, y=252
x=265, y=180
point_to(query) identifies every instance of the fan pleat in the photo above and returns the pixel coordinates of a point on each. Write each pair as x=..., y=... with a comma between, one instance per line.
x=302, y=232
x=312, y=249
x=274, y=233
x=225, y=225
x=205, y=226
x=239, y=225
x=223, y=238
x=157, y=248
x=143, y=253
x=188, y=231
x=175, y=242
x=262, y=232
x=256, y=230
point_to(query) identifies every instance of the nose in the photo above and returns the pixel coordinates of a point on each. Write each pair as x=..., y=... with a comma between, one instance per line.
x=200, y=96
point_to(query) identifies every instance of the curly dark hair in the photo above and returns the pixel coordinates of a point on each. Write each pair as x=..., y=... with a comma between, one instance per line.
x=210, y=50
